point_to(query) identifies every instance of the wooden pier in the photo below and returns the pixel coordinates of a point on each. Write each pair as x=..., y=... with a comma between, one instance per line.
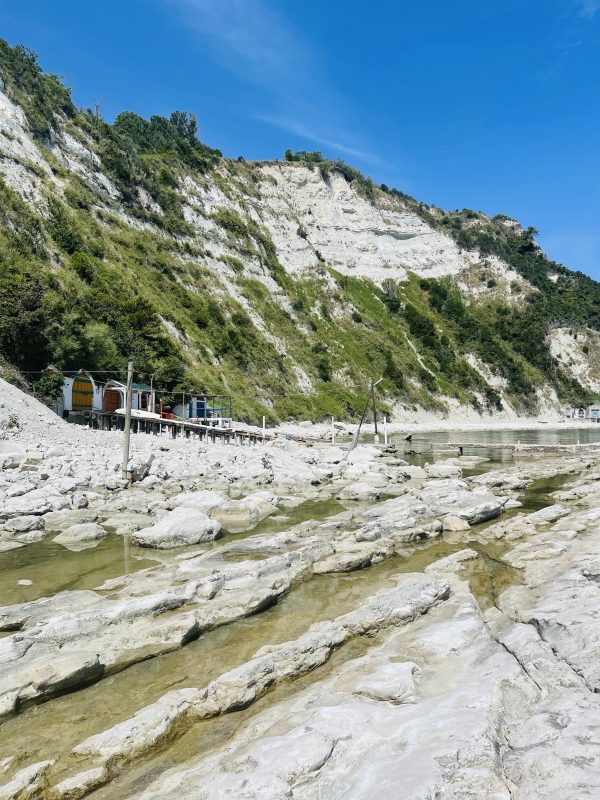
x=180, y=429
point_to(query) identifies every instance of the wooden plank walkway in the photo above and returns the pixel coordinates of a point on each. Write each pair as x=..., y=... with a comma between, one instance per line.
x=180, y=429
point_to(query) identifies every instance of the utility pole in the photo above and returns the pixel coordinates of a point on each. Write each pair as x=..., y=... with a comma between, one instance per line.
x=124, y=471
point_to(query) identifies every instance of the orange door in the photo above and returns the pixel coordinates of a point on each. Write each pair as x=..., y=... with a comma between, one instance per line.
x=112, y=400
x=83, y=394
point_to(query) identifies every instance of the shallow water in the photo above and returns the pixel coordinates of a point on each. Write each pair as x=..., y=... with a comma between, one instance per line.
x=551, y=436
x=55, y=727
x=286, y=518
x=324, y=597
x=420, y=449
x=53, y=568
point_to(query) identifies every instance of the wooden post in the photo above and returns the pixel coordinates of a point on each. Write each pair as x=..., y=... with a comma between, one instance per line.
x=385, y=437
x=124, y=472
x=264, y=426
x=374, y=406
x=357, y=434
x=332, y=430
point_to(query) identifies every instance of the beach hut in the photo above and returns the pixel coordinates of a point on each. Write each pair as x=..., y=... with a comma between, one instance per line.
x=212, y=409
x=81, y=394
x=114, y=396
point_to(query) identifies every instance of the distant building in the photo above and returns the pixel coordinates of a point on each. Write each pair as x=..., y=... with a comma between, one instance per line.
x=143, y=396
x=83, y=396
x=208, y=409
x=589, y=413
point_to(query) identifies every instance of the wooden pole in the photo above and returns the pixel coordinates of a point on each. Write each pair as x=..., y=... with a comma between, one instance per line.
x=374, y=406
x=357, y=434
x=124, y=471
x=332, y=430
x=385, y=438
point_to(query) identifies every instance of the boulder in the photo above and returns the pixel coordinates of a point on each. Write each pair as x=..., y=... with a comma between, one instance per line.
x=451, y=522
x=359, y=491
x=23, y=524
x=204, y=500
x=178, y=528
x=411, y=471
x=127, y=522
x=56, y=452
x=441, y=470
x=61, y=520
x=38, y=501
x=11, y=455
x=241, y=515
x=84, y=533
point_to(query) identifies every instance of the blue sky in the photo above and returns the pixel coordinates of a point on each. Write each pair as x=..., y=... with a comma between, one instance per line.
x=487, y=105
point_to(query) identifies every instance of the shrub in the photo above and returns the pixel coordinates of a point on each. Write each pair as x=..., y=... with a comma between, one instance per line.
x=84, y=266
x=62, y=227
x=40, y=96
x=323, y=369
x=23, y=319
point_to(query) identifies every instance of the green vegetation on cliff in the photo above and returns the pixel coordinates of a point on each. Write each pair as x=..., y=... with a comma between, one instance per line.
x=89, y=279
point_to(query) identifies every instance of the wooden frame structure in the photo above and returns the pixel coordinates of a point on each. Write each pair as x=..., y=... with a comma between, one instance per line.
x=179, y=429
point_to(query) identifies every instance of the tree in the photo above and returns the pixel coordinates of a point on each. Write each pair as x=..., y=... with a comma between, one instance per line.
x=390, y=295
x=23, y=319
x=50, y=385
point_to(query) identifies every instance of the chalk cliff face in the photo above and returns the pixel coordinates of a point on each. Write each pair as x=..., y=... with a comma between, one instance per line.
x=357, y=237
x=290, y=283
x=312, y=218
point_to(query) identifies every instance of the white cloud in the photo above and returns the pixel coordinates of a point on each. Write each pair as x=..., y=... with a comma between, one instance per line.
x=257, y=44
x=246, y=36
x=587, y=8
x=301, y=130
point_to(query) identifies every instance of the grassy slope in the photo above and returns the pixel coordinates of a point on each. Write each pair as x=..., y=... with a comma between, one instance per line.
x=80, y=286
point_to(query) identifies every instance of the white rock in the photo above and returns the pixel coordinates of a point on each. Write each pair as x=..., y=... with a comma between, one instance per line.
x=240, y=515
x=178, y=528
x=359, y=491
x=451, y=522
x=24, y=524
x=205, y=500
x=441, y=470
x=81, y=533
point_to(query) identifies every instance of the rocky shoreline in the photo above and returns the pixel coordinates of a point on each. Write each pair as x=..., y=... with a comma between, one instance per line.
x=447, y=695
